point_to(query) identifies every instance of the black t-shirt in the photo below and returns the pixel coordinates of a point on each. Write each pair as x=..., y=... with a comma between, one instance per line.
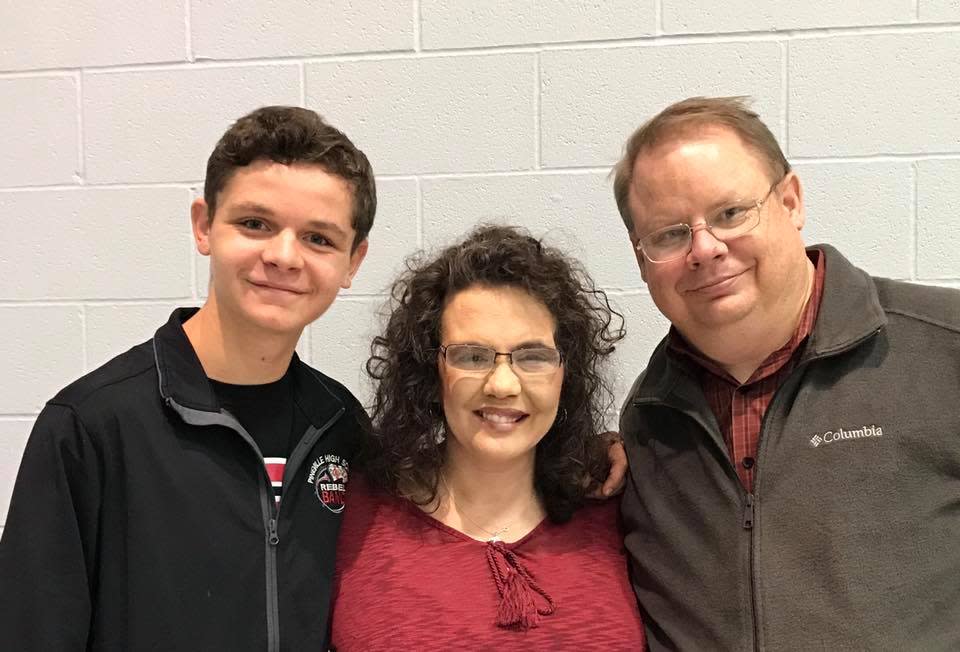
x=272, y=417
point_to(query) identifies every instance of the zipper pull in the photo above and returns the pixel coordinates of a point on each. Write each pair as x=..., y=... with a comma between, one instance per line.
x=274, y=538
x=748, y=513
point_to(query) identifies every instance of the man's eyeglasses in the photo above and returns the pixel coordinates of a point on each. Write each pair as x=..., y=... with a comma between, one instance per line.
x=675, y=241
x=481, y=359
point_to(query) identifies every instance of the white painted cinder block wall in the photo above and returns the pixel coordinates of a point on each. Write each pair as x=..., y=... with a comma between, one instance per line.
x=469, y=110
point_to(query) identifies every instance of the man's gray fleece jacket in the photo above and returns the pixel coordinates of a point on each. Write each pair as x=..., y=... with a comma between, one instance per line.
x=851, y=537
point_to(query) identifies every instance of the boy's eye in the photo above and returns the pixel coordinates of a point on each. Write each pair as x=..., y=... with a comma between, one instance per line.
x=317, y=239
x=253, y=224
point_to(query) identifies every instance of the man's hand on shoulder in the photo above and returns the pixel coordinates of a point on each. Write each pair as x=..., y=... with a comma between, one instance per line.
x=617, y=475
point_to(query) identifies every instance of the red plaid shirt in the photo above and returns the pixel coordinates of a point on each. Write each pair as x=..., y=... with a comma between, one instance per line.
x=740, y=408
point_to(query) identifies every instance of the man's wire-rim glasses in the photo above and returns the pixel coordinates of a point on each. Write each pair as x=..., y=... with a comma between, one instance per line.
x=675, y=241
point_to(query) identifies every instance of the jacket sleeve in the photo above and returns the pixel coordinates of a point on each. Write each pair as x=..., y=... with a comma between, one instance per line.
x=48, y=553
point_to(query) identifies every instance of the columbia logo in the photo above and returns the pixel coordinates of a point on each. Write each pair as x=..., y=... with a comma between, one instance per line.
x=831, y=436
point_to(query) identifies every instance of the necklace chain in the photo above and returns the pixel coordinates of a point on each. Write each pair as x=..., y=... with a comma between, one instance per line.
x=494, y=534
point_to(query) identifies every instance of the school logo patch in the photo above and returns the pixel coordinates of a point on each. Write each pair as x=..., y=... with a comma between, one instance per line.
x=328, y=475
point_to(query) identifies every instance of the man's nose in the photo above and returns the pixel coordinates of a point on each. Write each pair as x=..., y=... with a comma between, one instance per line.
x=704, y=245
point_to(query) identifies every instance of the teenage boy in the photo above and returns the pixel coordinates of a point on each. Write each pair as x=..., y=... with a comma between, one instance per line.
x=187, y=495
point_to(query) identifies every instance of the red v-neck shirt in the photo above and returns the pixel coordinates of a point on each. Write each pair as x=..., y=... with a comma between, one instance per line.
x=739, y=408
x=405, y=581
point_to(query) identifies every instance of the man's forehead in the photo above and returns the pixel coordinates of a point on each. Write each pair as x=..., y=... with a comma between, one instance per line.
x=702, y=143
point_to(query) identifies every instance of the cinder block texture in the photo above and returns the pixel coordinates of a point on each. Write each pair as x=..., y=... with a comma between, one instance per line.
x=42, y=350
x=433, y=114
x=575, y=212
x=458, y=24
x=162, y=125
x=645, y=328
x=284, y=28
x=393, y=237
x=66, y=33
x=864, y=209
x=340, y=343
x=939, y=10
x=757, y=15
x=591, y=100
x=111, y=330
x=13, y=439
x=875, y=94
x=938, y=223
x=95, y=243
x=38, y=129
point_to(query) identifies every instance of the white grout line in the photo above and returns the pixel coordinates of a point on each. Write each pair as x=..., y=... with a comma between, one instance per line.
x=537, y=117
x=188, y=31
x=303, y=84
x=83, y=337
x=785, y=98
x=93, y=303
x=417, y=20
x=80, y=176
x=644, y=41
x=419, y=214
x=914, y=203
x=106, y=186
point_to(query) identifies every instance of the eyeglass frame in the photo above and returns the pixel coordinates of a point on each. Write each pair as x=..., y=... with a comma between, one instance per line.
x=442, y=350
x=758, y=204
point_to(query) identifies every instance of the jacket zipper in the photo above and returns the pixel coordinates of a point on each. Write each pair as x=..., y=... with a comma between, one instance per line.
x=748, y=526
x=751, y=497
x=270, y=514
x=749, y=505
x=273, y=536
x=269, y=511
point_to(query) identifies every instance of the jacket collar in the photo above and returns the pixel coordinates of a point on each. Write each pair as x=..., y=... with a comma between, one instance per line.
x=183, y=381
x=850, y=309
x=850, y=313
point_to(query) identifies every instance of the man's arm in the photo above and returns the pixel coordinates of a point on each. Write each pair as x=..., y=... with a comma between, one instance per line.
x=49, y=541
x=617, y=475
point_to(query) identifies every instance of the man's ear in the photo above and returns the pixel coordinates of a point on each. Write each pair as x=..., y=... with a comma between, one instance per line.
x=200, y=220
x=641, y=259
x=791, y=196
x=355, y=259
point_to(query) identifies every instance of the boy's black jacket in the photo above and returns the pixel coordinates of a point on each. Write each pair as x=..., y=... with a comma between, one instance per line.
x=143, y=519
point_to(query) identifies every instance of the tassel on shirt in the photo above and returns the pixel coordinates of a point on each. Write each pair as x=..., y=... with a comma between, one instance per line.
x=518, y=590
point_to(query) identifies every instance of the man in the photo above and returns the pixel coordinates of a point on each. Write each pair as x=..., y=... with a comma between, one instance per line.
x=147, y=513
x=794, y=444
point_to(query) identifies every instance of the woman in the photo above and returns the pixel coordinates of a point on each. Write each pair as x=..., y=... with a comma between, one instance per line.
x=469, y=526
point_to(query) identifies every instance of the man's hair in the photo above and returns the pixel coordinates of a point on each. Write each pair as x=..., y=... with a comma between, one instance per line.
x=403, y=454
x=686, y=118
x=287, y=135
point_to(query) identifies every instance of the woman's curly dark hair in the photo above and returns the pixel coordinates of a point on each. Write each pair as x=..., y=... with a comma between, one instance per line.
x=402, y=455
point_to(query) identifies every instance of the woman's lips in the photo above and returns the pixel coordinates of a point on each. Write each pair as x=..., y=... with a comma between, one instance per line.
x=500, y=419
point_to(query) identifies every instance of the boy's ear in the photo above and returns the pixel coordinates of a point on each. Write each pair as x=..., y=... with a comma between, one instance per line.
x=200, y=221
x=355, y=259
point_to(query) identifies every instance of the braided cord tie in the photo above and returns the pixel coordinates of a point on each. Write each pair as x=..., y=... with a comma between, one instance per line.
x=518, y=590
